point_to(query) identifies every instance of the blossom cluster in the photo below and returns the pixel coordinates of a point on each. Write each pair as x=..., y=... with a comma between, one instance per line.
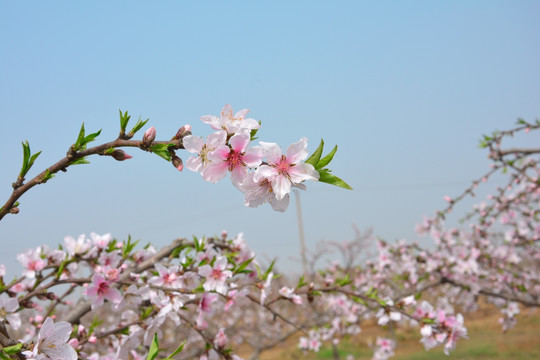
x=228, y=151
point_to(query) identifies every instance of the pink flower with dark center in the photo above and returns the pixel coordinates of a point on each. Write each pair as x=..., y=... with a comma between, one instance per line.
x=167, y=277
x=236, y=159
x=259, y=192
x=100, y=290
x=32, y=262
x=284, y=171
x=196, y=145
x=216, y=276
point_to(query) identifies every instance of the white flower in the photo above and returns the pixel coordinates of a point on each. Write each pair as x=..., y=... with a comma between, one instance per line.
x=52, y=342
x=9, y=305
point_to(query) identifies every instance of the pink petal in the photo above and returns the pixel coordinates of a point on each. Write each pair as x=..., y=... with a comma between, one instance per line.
x=215, y=172
x=238, y=175
x=272, y=151
x=303, y=171
x=240, y=141
x=216, y=139
x=281, y=186
x=263, y=172
x=194, y=164
x=253, y=156
x=220, y=154
x=297, y=152
x=241, y=114
x=193, y=144
x=211, y=120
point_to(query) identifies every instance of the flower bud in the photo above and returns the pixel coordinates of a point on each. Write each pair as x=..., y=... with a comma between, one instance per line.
x=149, y=136
x=120, y=155
x=178, y=163
x=183, y=131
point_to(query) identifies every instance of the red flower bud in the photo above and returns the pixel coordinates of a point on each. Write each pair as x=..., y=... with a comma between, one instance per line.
x=149, y=136
x=120, y=155
x=178, y=163
x=183, y=131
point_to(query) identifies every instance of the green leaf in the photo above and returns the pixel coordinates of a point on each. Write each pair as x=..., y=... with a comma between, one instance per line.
x=163, y=154
x=91, y=137
x=254, y=132
x=269, y=270
x=328, y=178
x=13, y=349
x=154, y=349
x=4, y=356
x=326, y=160
x=177, y=351
x=80, y=161
x=124, y=119
x=80, y=138
x=301, y=282
x=32, y=159
x=61, y=268
x=316, y=156
x=242, y=266
x=129, y=247
x=47, y=176
x=358, y=300
x=161, y=150
x=138, y=126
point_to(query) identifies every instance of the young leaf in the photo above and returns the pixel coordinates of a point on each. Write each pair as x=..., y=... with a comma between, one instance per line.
x=46, y=177
x=269, y=270
x=138, y=126
x=154, y=349
x=316, y=156
x=80, y=161
x=80, y=138
x=242, y=266
x=13, y=349
x=161, y=150
x=177, y=351
x=301, y=282
x=124, y=119
x=326, y=160
x=91, y=137
x=328, y=178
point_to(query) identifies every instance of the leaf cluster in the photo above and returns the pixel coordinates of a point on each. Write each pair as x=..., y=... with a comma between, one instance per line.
x=320, y=164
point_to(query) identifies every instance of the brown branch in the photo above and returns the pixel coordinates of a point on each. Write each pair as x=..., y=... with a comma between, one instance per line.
x=523, y=151
x=65, y=162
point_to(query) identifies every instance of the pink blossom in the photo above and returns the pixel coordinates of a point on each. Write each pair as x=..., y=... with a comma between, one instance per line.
x=289, y=294
x=8, y=307
x=100, y=290
x=32, y=262
x=195, y=145
x=260, y=192
x=221, y=339
x=229, y=122
x=76, y=247
x=167, y=277
x=236, y=159
x=284, y=171
x=216, y=276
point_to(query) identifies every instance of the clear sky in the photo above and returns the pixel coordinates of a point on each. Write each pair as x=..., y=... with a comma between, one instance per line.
x=404, y=88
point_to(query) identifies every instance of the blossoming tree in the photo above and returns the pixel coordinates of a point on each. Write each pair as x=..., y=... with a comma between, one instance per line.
x=95, y=297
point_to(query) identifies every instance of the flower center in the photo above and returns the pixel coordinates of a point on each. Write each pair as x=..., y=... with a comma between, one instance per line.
x=235, y=159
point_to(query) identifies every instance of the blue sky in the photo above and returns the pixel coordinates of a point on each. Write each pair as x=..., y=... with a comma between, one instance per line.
x=404, y=88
